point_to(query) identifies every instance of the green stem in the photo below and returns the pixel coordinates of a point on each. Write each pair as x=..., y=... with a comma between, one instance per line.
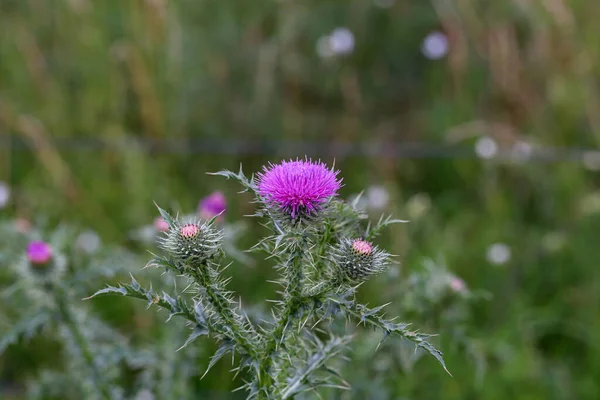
x=222, y=306
x=293, y=300
x=82, y=344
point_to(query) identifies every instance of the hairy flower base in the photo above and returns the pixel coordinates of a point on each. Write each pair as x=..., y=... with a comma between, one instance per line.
x=192, y=242
x=358, y=260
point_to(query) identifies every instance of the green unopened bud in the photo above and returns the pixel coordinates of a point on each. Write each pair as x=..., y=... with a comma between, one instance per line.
x=192, y=242
x=358, y=260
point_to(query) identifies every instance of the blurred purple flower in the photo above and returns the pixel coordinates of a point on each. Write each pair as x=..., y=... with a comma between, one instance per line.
x=161, y=225
x=39, y=252
x=211, y=205
x=300, y=186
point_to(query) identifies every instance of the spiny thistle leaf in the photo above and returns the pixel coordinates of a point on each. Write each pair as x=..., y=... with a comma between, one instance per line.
x=248, y=184
x=373, y=232
x=225, y=347
x=174, y=306
x=368, y=316
x=301, y=381
x=166, y=216
x=196, y=333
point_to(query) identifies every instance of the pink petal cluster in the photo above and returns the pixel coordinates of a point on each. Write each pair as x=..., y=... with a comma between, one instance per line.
x=39, y=252
x=300, y=186
x=211, y=205
x=362, y=247
x=189, y=230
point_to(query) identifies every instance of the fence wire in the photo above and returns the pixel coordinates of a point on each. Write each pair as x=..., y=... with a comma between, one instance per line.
x=484, y=148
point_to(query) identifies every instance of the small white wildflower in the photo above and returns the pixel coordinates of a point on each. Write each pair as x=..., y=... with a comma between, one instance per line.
x=378, y=197
x=591, y=160
x=486, y=147
x=498, y=253
x=88, y=241
x=341, y=41
x=435, y=46
x=4, y=194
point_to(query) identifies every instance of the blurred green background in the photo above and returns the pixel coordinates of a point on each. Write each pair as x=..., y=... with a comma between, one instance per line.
x=476, y=120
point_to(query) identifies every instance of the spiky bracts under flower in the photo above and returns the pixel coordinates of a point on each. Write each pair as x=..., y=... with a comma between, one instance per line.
x=358, y=259
x=191, y=242
x=298, y=187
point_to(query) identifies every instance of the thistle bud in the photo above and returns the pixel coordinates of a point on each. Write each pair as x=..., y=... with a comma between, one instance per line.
x=358, y=260
x=42, y=262
x=39, y=254
x=192, y=242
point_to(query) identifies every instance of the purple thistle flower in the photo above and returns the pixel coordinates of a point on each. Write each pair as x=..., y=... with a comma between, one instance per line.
x=39, y=253
x=211, y=205
x=300, y=186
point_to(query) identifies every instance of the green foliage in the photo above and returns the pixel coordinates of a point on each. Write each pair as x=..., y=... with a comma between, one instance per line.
x=106, y=107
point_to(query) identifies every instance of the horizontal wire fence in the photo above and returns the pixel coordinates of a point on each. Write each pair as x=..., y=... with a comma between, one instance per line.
x=292, y=148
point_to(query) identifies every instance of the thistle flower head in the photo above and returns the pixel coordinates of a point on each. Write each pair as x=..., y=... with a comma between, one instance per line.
x=39, y=253
x=298, y=187
x=192, y=241
x=358, y=259
x=212, y=205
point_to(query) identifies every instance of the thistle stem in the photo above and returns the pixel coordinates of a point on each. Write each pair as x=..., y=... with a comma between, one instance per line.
x=293, y=300
x=83, y=345
x=222, y=306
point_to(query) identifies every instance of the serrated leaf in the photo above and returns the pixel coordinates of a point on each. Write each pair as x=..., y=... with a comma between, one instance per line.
x=225, y=347
x=325, y=351
x=196, y=333
x=166, y=216
x=366, y=315
x=240, y=177
x=111, y=290
x=437, y=354
x=174, y=306
x=372, y=233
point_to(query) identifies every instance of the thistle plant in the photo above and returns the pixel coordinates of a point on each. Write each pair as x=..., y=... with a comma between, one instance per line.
x=322, y=249
x=48, y=279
